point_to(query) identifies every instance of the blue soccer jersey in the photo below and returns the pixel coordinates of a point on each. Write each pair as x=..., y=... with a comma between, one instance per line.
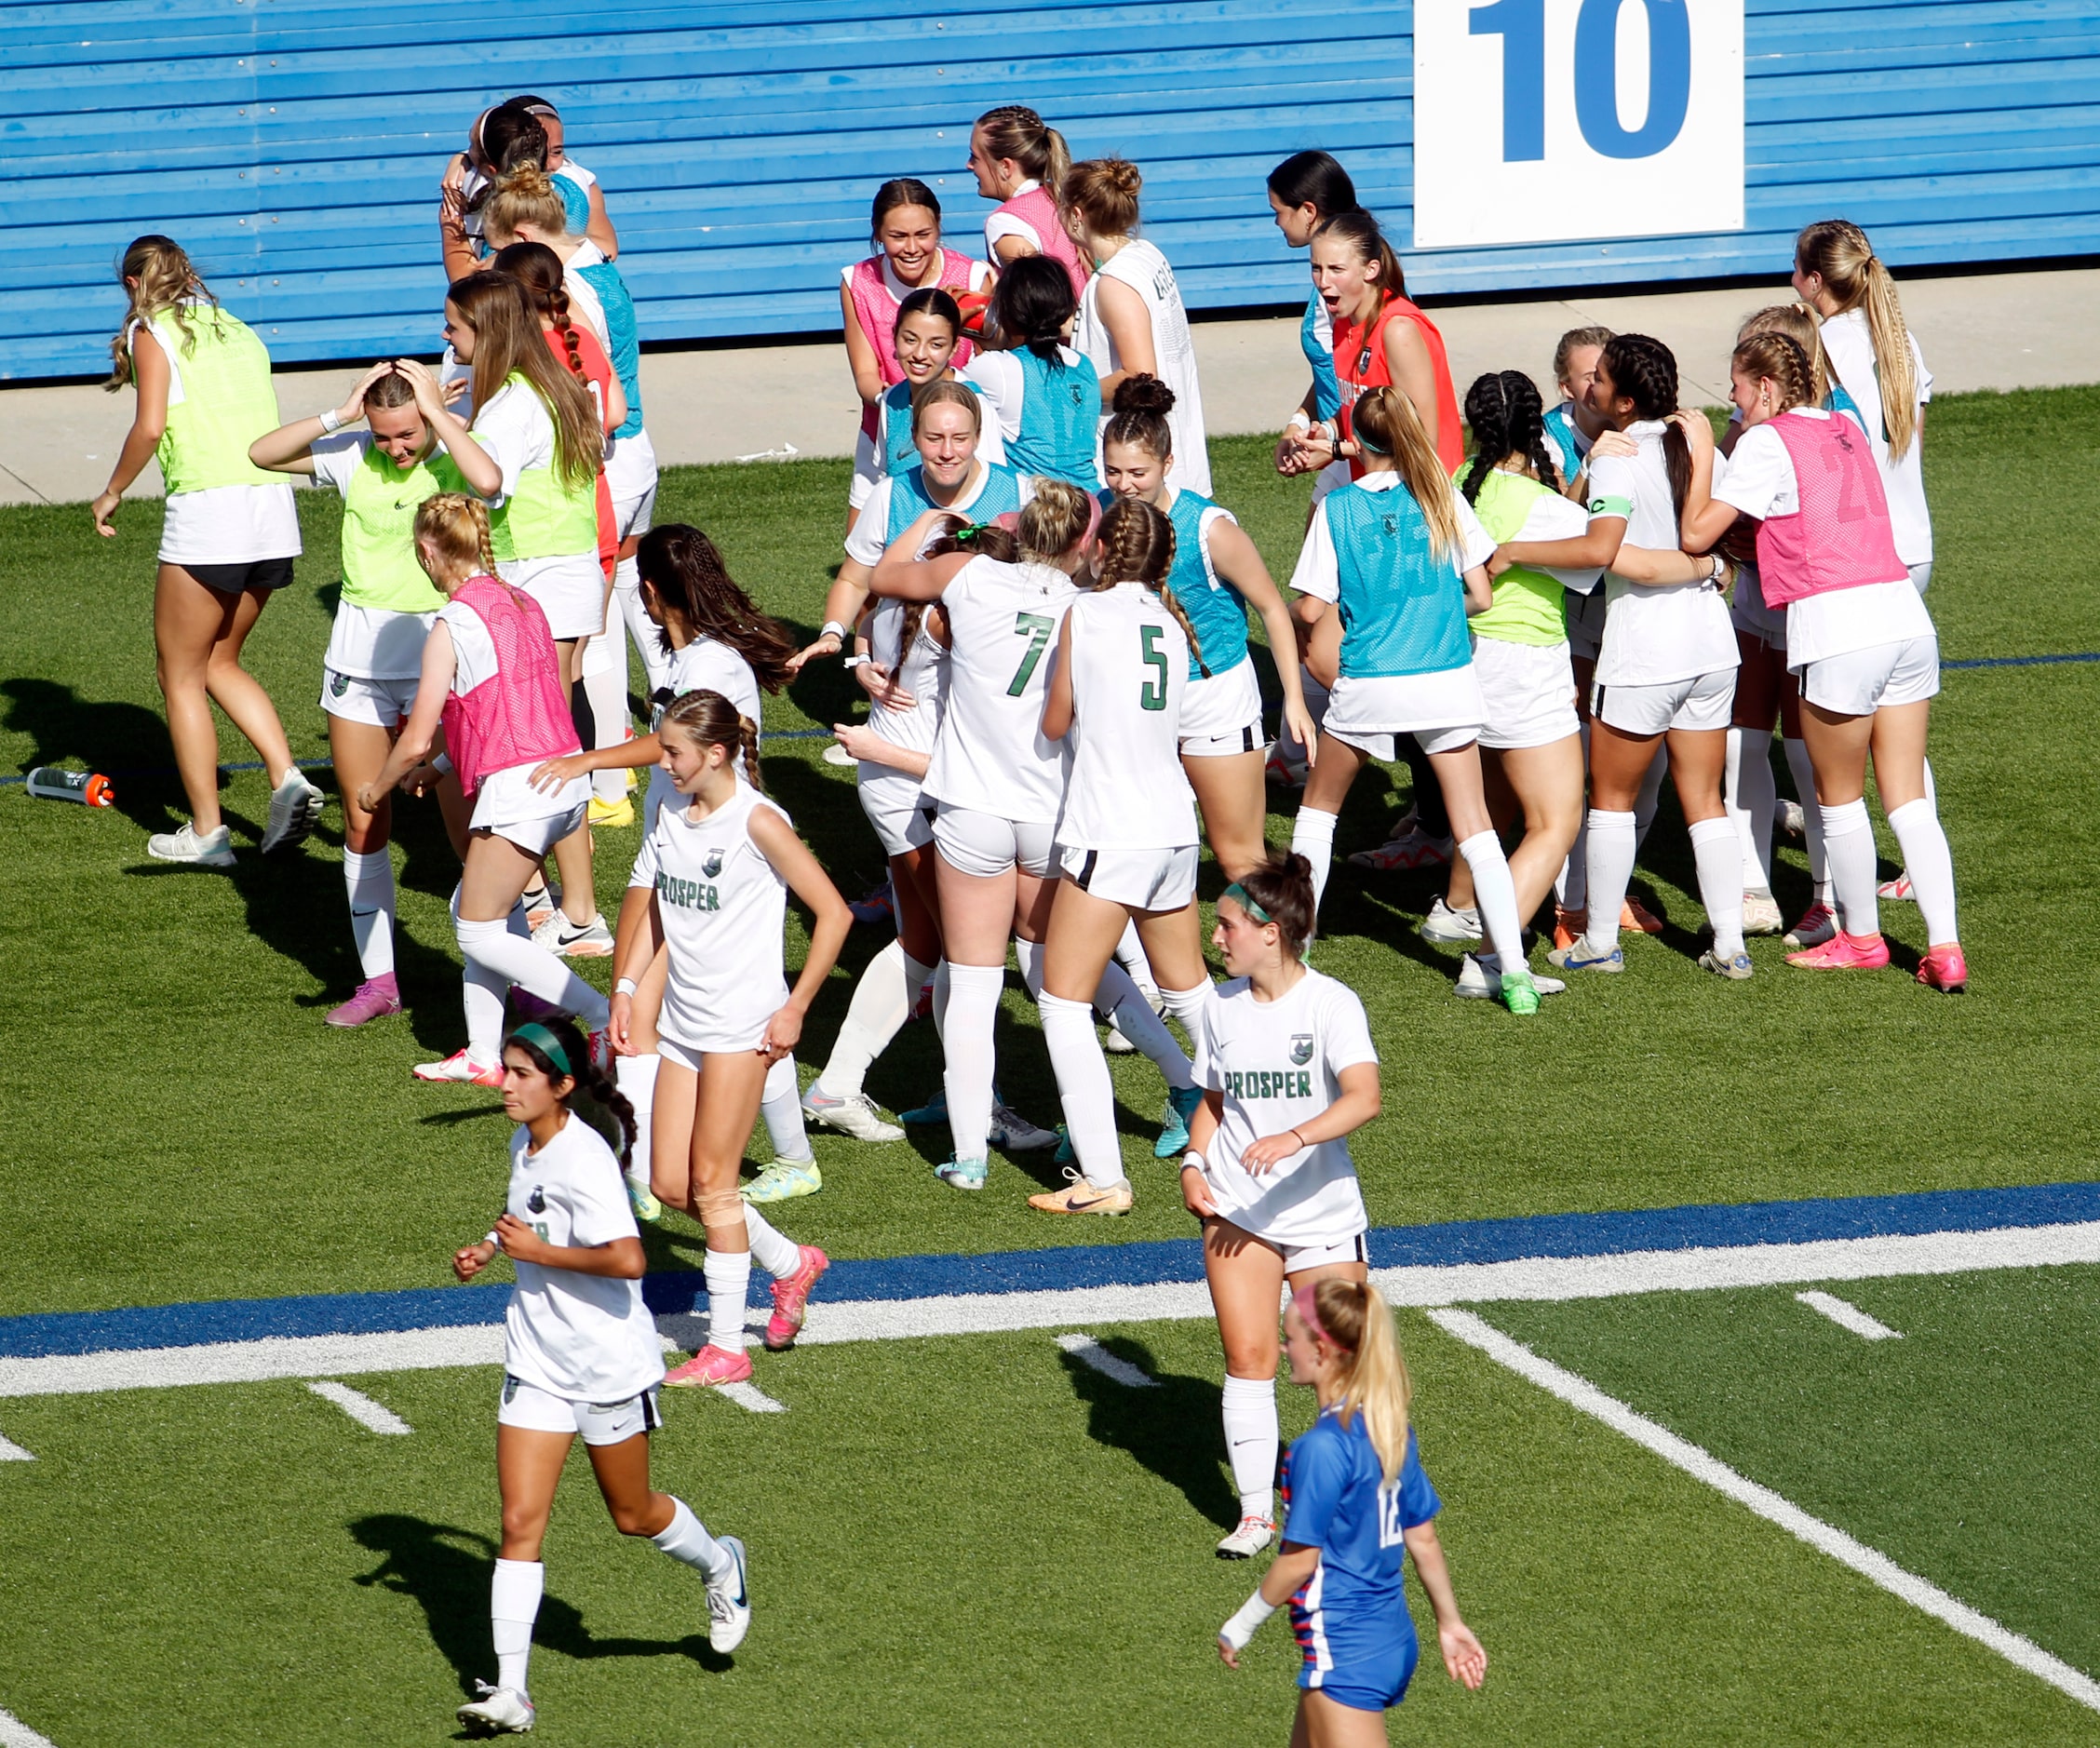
x=1350, y=1618
x=1403, y=607
x=1000, y=492
x=1316, y=336
x=1060, y=410
x=1215, y=608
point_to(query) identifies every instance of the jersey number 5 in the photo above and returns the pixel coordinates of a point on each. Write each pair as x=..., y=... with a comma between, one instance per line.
x=1036, y=628
x=1151, y=696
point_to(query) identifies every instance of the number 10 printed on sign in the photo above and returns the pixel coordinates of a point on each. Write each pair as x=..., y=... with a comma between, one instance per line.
x=1540, y=121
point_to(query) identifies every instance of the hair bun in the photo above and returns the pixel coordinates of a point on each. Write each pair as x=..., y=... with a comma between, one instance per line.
x=1143, y=394
x=1123, y=176
x=527, y=179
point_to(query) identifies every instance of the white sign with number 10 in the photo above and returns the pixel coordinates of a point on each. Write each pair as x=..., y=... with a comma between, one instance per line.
x=1543, y=120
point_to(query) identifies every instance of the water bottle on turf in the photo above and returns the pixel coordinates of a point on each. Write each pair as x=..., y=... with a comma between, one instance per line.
x=48, y=783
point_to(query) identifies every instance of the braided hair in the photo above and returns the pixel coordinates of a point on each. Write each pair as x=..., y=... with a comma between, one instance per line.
x=594, y=1097
x=1507, y=415
x=706, y=718
x=1645, y=371
x=539, y=270
x=456, y=525
x=1135, y=544
x=1781, y=358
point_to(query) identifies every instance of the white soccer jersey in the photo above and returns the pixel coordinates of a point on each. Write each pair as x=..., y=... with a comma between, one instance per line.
x=1278, y=1064
x=1850, y=348
x=1139, y=265
x=705, y=665
x=1654, y=635
x=1129, y=670
x=988, y=754
x=722, y=909
x=922, y=671
x=585, y=1337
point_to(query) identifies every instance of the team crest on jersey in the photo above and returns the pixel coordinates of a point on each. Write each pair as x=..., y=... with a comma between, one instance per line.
x=1078, y=394
x=510, y=1389
x=1391, y=525
x=712, y=866
x=338, y=683
x=536, y=1201
x=1301, y=1048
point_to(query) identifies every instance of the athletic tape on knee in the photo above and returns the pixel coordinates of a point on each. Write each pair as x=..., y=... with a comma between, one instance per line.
x=720, y=1209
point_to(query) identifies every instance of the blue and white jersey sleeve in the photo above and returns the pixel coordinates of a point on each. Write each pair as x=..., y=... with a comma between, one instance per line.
x=867, y=541
x=1318, y=574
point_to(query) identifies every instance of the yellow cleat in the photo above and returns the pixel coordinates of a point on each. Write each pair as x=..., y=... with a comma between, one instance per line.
x=612, y=815
x=1078, y=1196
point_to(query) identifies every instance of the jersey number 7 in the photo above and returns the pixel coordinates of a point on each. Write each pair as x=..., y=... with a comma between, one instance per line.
x=1151, y=696
x=1036, y=628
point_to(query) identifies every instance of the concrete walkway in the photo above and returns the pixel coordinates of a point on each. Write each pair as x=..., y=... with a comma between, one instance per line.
x=766, y=399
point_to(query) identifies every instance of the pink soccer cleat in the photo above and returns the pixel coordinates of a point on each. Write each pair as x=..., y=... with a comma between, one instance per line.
x=711, y=1367
x=1632, y=914
x=1943, y=969
x=375, y=999
x=1844, y=952
x=460, y=1066
x=790, y=1298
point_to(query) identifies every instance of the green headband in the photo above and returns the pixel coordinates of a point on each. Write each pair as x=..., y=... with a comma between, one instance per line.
x=1238, y=895
x=547, y=1044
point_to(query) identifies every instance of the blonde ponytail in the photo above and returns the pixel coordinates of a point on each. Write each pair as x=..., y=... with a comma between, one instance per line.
x=1837, y=250
x=1385, y=422
x=1354, y=1320
x=166, y=281
x=456, y=526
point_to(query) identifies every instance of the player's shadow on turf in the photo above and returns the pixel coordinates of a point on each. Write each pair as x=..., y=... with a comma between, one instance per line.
x=126, y=742
x=446, y=1570
x=1172, y=1428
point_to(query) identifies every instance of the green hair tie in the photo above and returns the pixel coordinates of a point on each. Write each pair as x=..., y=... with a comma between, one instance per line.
x=547, y=1044
x=1238, y=895
x=967, y=534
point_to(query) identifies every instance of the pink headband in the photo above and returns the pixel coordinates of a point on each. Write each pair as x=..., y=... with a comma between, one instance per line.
x=1302, y=1299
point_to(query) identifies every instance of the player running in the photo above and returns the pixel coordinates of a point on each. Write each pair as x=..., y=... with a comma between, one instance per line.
x=1359, y=1504
x=579, y=1356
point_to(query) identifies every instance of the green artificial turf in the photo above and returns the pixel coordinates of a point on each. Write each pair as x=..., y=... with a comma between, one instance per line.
x=1963, y=1451
x=181, y=1125
x=934, y=1561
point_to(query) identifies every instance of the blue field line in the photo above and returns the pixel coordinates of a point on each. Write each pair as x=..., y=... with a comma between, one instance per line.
x=1140, y=1264
x=813, y=734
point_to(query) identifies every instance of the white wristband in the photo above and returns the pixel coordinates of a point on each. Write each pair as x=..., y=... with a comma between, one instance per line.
x=626, y=986
x=492, y=1239
x=1241, y=1627
x=1192, y=1158
x=833, y=628
x=443, y=764
x=1300, y=421
x=331, y=420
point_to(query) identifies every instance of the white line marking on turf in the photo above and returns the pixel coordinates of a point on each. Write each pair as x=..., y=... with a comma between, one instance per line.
x=990, y=1313
x=751, y=1397
x=1088, y=1352
x=1848, y=1316
x=11, y=1452
x=14, y=1733
x=1703, y=1465
x=376, y=1416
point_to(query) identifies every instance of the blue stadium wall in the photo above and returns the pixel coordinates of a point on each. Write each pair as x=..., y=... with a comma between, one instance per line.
x=295, y=145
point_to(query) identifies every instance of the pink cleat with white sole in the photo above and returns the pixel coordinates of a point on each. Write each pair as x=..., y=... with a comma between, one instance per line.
x=463, y=1068
x=790, y=1298
x=710, y=1367
x=1843, y=952
x=1943, y=969
x=375, y=999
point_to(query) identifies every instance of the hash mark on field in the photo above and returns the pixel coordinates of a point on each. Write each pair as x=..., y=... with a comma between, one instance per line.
x=750, y=1396
x=373, y=1416
x=11, y=1452
x=1088, y=1352
x=1703, y=1465
x=14, y=1733
x=1848, y=1316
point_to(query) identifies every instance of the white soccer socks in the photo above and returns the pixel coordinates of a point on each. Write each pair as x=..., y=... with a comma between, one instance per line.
x=1716, y=852
x=686, y=1539
x=1930, y=865
x=882, y=1003
x=781, y=1105
x=1609, y=861
x=514, y=1606
x=1803, y=773
x=1847, y=848
x=778, y=1254
x=728, y=1277
x=368, y=878
x=1119, y=997
x=966, y=1039
x=637, y=1079
x=1313, y=837
x=1495, y=893
x=1251, y=1437
x=1752, y=798
x=1188, y=1005
x=1083, y=1087
x=496, y=950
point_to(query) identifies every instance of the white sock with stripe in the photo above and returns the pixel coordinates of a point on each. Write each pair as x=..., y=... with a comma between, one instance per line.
x=1251, y=1438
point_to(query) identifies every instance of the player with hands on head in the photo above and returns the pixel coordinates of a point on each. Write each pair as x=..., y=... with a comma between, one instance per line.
x=720, y=868
x=1359, y=1505
x=579, y=1355
x=1286, y=1059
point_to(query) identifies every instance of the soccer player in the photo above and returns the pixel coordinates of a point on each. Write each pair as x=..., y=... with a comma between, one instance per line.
x=579, y=1356
x=1289, y=1072
x=1048, y=395
x=1021, y=162
x=1359, y=1503
x=718, y=871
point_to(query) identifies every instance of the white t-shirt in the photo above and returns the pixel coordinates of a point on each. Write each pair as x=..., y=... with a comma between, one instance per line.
x=585, y=1337
x=1129, y=671
x=988, y=754
x=1846, y=338
x=367, y=642
x=1278, y=1064
x=1654, y=635
x=1005, y=224
x=218, y=524
x=705, y=665
x=1139, y=265
x=1761, y=482
x=870, y=528
x=923, y=673
x=723, y=908
x=503, y=798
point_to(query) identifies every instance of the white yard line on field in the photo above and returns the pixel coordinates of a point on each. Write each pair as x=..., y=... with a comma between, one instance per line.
x=1088, y=1352
x=373, y=1416
x=1847, y=1315
x=11, y=1452
x=1878, y=1569
x=749, y=1397
x=14, y=1733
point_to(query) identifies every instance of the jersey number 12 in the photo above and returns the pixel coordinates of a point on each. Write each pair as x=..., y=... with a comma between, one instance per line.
x=1036, y=628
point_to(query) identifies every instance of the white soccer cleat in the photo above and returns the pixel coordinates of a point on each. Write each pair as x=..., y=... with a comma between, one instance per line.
x=215, y=849
x=729, y=1602
x=500, y=1711
x=854, y=1115
x=1480, y=979
x=295, y=809
x=1761, y=914
x=564, y=939
x=1253, y=1535
x=1444, y=923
